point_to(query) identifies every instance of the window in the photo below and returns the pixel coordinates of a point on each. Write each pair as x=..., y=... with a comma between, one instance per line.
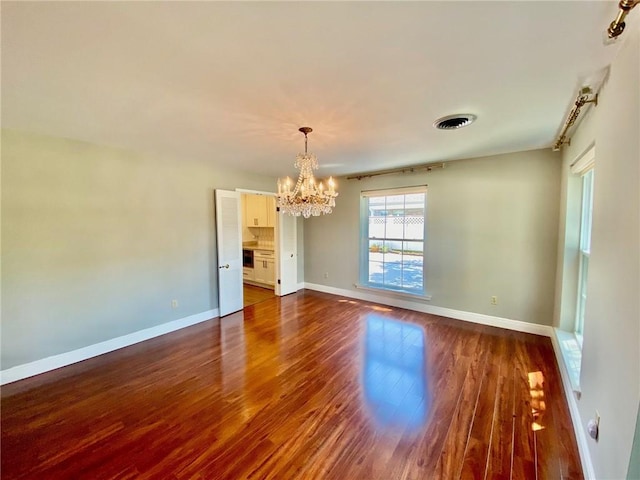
x=392, y=236
x=585, y=250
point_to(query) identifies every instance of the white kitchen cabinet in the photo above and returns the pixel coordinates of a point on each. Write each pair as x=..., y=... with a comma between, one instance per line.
x=271, y=211
x=270, y=272
x=248, y=274
x=260, y=210
x=264, y=267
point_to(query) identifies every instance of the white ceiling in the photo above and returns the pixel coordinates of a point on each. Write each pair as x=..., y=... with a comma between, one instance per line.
x=231, y=82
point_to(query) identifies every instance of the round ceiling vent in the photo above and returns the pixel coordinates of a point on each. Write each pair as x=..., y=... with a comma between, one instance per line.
x=451, y=122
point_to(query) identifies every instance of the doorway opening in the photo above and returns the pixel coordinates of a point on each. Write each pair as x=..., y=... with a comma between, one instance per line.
x=259, y=220
x=256, y=245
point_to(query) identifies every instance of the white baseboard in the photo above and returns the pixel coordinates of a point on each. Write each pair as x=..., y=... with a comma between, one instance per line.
x=581, y=436
x=418, y=306
x=37, y=367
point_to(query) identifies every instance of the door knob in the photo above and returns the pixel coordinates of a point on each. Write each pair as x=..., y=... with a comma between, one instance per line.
x=223, y=266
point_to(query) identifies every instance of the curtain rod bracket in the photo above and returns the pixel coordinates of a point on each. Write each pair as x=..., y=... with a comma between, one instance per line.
x=582, y=99
x=617, y=26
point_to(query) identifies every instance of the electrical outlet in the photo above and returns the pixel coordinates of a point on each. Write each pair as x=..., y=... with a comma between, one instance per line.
x=494, y=300
x=326, y=274
x=174, y=303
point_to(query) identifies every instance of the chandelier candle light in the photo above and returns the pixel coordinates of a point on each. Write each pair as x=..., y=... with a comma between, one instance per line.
x=307, y=198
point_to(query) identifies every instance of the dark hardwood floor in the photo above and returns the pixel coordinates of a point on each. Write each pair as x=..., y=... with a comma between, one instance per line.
x=308, y=386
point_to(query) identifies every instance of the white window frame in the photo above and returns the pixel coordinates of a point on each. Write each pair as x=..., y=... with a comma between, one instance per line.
x=364, y=281
x=586, y=220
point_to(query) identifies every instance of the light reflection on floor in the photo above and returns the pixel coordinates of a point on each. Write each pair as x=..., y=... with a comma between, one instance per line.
x=538, y=404
x=394, y=376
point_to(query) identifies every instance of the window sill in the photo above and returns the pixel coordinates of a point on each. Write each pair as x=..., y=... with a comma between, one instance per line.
x=392, y=293
x=572, y=356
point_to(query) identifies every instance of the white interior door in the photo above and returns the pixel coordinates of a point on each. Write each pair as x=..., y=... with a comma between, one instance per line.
x=229, y=236
x=287, y=245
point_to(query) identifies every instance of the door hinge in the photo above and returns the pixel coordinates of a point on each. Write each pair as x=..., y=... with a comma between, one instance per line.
x=278, y=281
x=277, y=209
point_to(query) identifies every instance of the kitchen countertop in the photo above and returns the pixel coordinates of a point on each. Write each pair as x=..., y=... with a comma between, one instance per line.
x=258, y=247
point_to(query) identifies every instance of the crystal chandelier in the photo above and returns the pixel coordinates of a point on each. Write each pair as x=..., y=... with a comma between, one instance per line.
x=307, y=198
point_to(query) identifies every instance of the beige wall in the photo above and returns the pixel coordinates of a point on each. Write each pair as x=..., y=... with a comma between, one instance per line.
x=96, y=242
x=492, y=228
x=610, y=374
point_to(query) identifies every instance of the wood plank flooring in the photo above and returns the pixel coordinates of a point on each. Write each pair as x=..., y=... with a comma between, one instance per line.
x=253, y=294
x=307, y=386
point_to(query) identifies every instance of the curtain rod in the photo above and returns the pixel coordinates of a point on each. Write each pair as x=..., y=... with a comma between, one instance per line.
x=427, y=166
x=581, y=100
